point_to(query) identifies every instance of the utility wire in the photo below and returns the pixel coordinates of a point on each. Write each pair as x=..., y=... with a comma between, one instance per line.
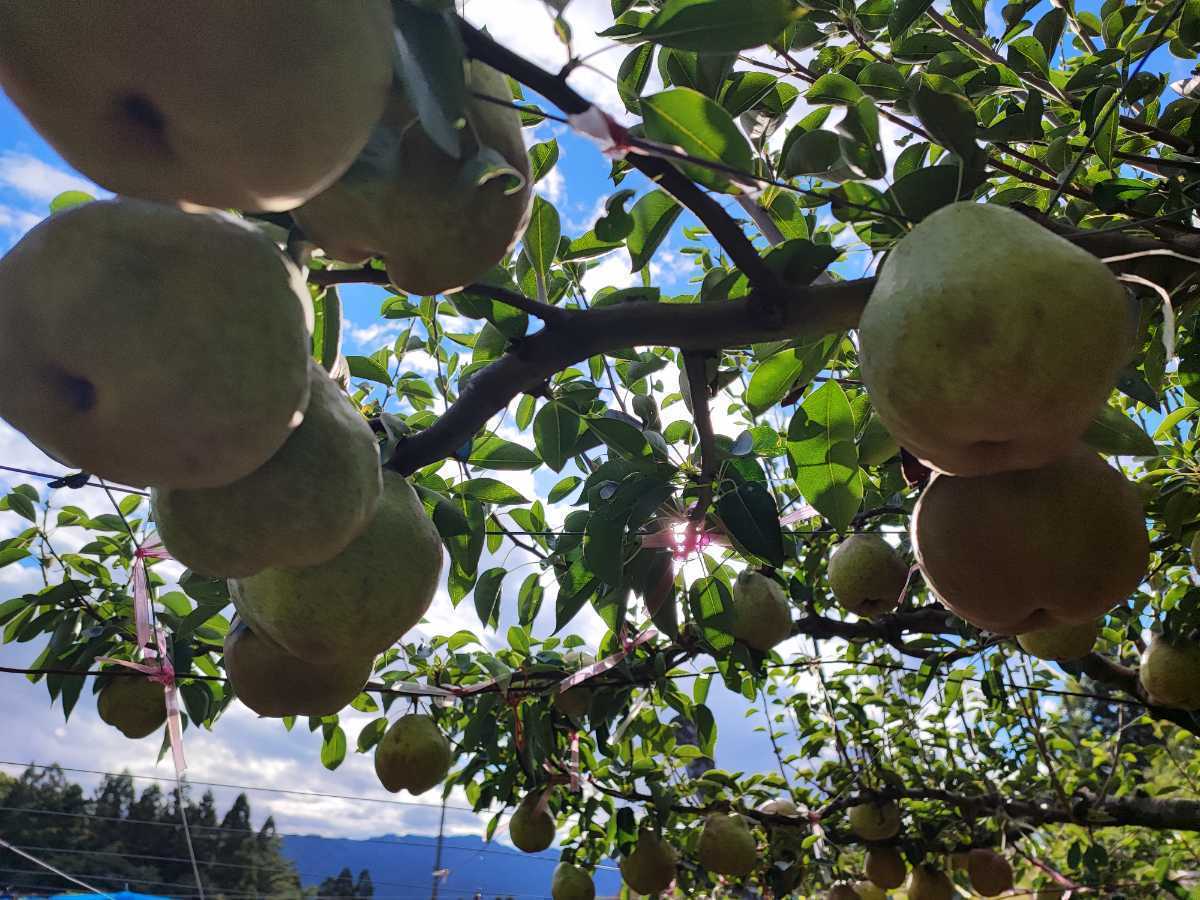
x=59, y=872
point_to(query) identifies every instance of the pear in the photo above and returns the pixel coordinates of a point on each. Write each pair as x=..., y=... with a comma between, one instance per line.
x=1061, y=642
x=135, y=706
x=928, y=883
x=875, y=821
x=216, y=106
x=531, y=829
x=413, y=755
x=867, y=575
x=364, y=599
x=1170, y=673
x=727, y=846
x=575, y=702
x=762, y=616
x=152, y=346
x=989, y=872
x=885, y=867
x=301, y=508
x=843, y=890
x=989, y=343
x=1020, y=551
x=651, y=867
x=436, y=226
x=868, y=891
x=274, y=683
x=571, y=883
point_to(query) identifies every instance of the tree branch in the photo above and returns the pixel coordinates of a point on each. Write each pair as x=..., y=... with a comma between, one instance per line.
x=1111, y=673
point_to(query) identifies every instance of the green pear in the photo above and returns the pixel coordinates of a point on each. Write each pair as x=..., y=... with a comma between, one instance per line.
x=885, y=867
x=1020, y=551
x=274, y=683
x=571, y=883
x=1170, y=673
x=413, y=755
x=428, y=215
x=575, y=702
x=152, y=346
x=651, y=866
x=928, y=883
x=364, y=599
x=727, y=846
x=532, y=829
x=868, y=891
x=875, y=821
x=786, y=840
x=1061, y=642
x=989, y=872
x=301, y=508
x=251, y=105
x=867, y=575
x=135, y=706
x=762, y=616
x=989, y=343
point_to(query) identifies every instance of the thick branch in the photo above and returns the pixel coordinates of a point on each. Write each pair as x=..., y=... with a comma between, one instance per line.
x=1114, y=675
x=810, y=312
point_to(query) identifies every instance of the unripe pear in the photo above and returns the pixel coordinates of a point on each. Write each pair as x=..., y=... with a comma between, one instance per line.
x=867, y=575
x=727, y=846
x=885, y=867
x=1019, y=551
x=1061, y=642
x=930, y=884
x=215, y=108
x=532, y=829
x=300, y=508
x=762, y=616
x=574, y=702
x=219, y=378
x=1170, y=673
x=134, y=706
x=364, y=599
x=413, y=755
x=875, y=821
x=273, y=683
x=571, y=883
x=651, y=867
x=785, y=840
x=989, y=872
x=868, y=891
x=989, y=343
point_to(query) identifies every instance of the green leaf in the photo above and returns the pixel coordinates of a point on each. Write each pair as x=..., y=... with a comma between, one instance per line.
x=603, y=547
x=564, y=488
x=529, y=599
x=372, y=733
x=1101, y=116
x=10, y=555
x=823, y=455
x=333, y=749
x=751, y=517
x=616, y=223
x=489, y=490
x=883, y=81
x=430, y=65
x=366, y=367
x=653, y=216
x=744, y=89
x=493, y=452
x=556, y=430
x=487, y=596
x=860, y=142
x=834, y=88
x=702, y=128
x=719, y=26
x=633, y=74
x=22, y=506
x=970, y=13
x=778, y=375
x=542, y=158
x=542, y=236
x=625, y=438
x=1113, y=433
x=1026, y=52
x=948, y=116
x=904, y=13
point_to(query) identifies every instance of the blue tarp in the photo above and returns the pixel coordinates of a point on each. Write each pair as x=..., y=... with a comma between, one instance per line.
x=116, y=895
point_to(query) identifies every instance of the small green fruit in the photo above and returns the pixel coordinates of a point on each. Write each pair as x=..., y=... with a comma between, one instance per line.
x=885, y=867
x=273, y=683
x=727, y=846
x=532, y=830
x=1170, y=673
x=1061, y=642
x=413, y=755
x=574, y=703
x=300, y=508
x=571, y=883
x=875, y=821
x=762, y=616
x=989, y=872
x=134, y=706
x=867, y=575
x=930, y=884
x=651, y=867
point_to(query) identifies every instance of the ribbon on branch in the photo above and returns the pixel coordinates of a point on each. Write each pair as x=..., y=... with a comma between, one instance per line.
x=598, y=668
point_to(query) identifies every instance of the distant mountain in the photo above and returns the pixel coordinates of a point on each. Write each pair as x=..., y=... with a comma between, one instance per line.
x=401, y=867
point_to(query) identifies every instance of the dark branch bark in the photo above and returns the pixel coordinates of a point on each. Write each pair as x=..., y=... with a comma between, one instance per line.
x=1124, y=679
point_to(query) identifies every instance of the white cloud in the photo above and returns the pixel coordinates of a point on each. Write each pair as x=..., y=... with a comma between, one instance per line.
x=553, y=186
x=38, y=180
x=611, y=271
x=17, y=220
